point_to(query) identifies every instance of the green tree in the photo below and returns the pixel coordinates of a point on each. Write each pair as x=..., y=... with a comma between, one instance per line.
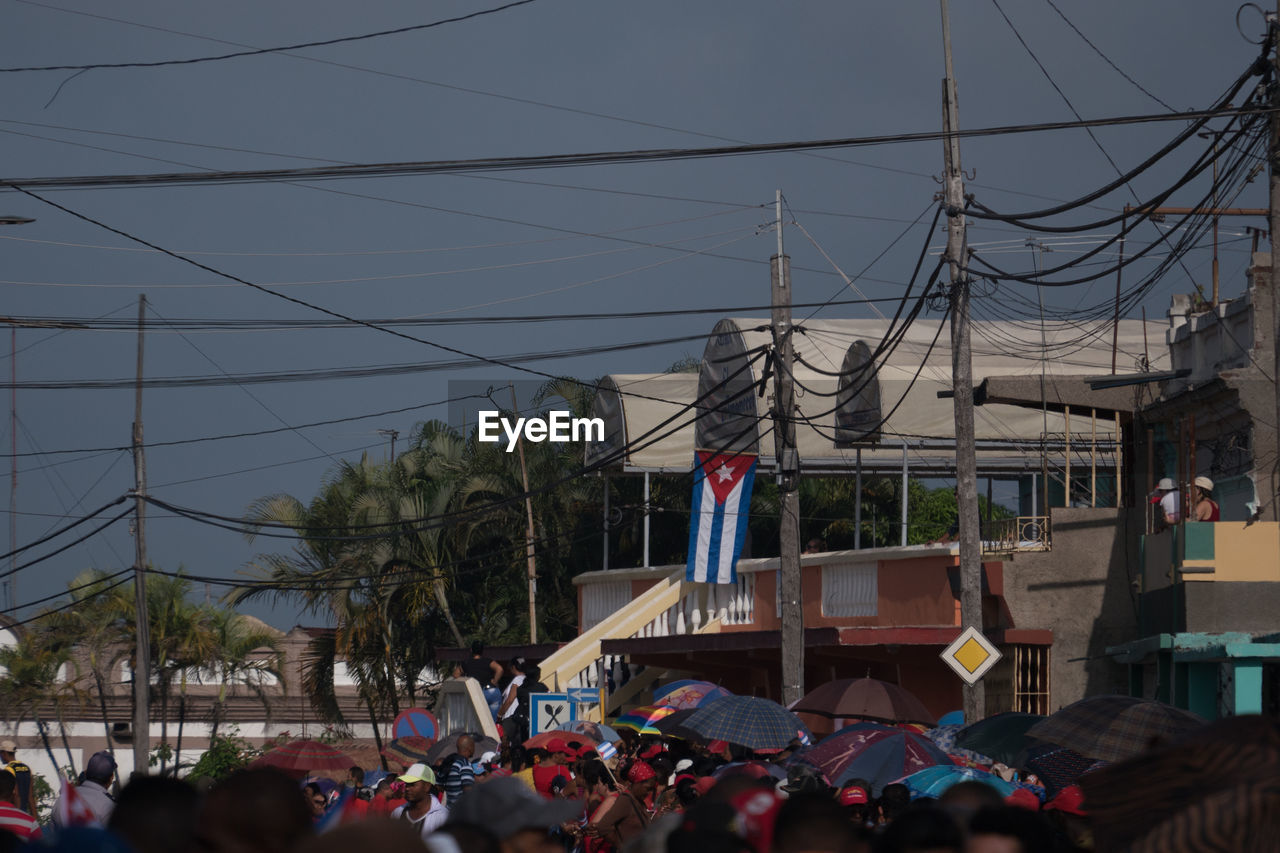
x=30, y=684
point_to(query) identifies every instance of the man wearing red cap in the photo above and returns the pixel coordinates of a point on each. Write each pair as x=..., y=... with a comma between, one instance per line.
x=857, y=804
x=628, y=816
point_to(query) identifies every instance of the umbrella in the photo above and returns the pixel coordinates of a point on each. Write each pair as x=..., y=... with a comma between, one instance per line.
x=1057, y=766
x=946, y=739
x=879, y=754
x=867, y=699
x=640, y=720
x=303, y=755
x=688, y=694
x=1001, y=737
x=750, y=769
x=748, y=721
x=1113, y=728
x=1217, y=783
x=932, y=781
x=449, y=745
x=952, y=718
x=597, y=732
x=539, y=741
x=673, y=725
x=407, y=750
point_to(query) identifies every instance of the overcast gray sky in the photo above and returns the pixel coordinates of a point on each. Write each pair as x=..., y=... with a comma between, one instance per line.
x=549, y=77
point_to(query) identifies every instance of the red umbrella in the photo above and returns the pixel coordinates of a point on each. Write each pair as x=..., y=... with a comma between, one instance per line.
x=866, y=699
x=303, y=755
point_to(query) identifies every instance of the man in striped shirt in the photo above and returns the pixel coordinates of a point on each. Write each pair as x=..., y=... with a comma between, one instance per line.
x=460, y=775
x=13, y=819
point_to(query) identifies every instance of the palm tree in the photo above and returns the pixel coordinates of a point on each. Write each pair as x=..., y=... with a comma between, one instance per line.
x=30, y=682
x=95, y=626
x=237, y=659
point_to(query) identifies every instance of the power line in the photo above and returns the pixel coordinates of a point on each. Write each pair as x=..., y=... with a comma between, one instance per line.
x=556, y=161
x=264, y=50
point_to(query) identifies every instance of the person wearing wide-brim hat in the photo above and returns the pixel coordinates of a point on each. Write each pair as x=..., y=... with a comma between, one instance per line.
x=1205, y=508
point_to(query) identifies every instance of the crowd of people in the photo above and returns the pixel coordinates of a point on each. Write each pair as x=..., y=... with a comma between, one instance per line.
x=651, y=795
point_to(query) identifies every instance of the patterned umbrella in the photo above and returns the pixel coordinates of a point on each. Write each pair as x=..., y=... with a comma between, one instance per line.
x=946, y=739
x=1058, y=767
x=407, y=750
x=1113, y=728
x=673, y=725
x=748, y=721
x=932, y=781
x=867, y=699
x=539, y=741
x=449, y=745
x=597, y=732
x=879, y=754
x=1001, y=737
x=302, y=755
x=640, y=720
x=688, y=694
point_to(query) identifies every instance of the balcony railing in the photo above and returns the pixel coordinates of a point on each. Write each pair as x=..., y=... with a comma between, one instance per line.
x=1011, y=535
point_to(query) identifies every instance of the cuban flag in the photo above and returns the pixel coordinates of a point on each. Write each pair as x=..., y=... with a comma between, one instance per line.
x=721, y=499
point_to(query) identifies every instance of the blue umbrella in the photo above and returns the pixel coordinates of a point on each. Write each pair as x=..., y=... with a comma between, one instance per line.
x=952, y=718
x=748, y=721
x=934, y=780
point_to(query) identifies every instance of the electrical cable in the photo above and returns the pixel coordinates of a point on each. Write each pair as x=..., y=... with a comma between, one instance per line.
x=557, y=161
x=264, y=50
x=67, y=591
x=59, y=532
x=72, y=544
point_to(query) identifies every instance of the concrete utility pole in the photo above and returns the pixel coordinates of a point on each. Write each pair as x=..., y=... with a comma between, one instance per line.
x=142, y=655
x=962, y=374
x=788, y=461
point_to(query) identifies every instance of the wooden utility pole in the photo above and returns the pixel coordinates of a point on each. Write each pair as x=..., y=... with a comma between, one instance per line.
x=528, y=532
x=142, y=655
x=788, y=462
x=1273, y=163
x=962, y=373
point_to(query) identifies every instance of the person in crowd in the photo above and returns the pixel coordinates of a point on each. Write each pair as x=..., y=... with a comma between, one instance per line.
x=21, y=772
x=510, y=701
x=814, y=823
x=1169, y=500
x=1008, y=829
x=355, y=777
x=922, y=828
x=628, y=816
x=156, y=815
x=98, y=773
x=385, y=800
x=317, y=802
x=856, y=800
x=13, y=819
x=965, y=799
x=421, y=809
x=457, y=774
x=518, y=818
x=485, y=670
x=894, y=800
x=253, y=811
x=555, y=767
x=1204, y=507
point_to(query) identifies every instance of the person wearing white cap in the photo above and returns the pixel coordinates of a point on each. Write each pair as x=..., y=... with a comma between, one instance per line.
x=1205, y=507
x=21, y=772
x=422, y=810
x=1170, y=501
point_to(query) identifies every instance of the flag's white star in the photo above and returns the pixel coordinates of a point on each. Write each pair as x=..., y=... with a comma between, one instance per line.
x=724, y=472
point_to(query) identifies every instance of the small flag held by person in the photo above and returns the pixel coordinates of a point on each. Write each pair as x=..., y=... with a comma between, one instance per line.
x=606, y=751
x=72, y=810
x=722, y=484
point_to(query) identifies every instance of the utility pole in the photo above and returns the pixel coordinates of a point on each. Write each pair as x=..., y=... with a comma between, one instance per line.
x=962, y=373
x=142, y=655
x=11, y=586
x=1273, y=162
x=788, y=462
x=528, y=532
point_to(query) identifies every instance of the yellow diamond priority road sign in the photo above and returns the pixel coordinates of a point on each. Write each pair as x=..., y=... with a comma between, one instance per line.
x=971, y=655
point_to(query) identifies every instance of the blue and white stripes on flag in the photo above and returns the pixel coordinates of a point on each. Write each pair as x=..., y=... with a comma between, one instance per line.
x=722, y=485
x=606, y=751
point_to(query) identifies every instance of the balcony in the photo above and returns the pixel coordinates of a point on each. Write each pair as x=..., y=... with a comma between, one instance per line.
x=1014, y=535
